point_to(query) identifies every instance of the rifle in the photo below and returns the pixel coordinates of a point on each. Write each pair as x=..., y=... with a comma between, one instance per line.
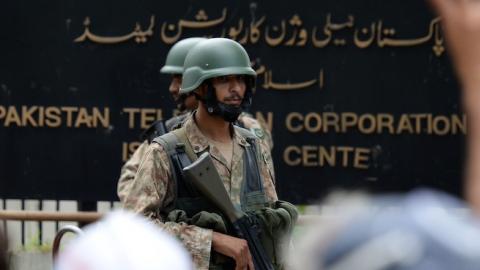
x=205, y=177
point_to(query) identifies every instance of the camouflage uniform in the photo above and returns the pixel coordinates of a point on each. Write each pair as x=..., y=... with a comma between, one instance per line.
x=130, y=168
x=152, y=188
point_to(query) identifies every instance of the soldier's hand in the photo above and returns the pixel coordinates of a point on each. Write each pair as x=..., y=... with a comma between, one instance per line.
x=461, y=25
x=234, y=248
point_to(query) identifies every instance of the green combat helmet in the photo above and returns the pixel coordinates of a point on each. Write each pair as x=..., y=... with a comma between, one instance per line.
x=174, y=63
x=214, y=58
x=176, y=55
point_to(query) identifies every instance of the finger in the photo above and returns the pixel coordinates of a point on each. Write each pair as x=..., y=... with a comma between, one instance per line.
x=239, y=265
x=241, y=260
x=245, y=257
x=250, y=262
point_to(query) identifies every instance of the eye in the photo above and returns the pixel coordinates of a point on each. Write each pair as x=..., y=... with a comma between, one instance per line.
x=222, y=79
x=241, y=78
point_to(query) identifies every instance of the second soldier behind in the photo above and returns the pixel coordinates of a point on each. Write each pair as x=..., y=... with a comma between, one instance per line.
x=185, y=104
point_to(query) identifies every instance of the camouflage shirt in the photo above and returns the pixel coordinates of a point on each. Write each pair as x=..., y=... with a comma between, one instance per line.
x=152, y=188
x=128, y=171
x=130, y=168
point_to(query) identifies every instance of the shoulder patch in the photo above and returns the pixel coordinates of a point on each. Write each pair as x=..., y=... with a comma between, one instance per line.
x=258, y=132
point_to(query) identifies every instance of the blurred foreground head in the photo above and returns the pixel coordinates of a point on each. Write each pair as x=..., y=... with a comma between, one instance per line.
x=420, y=231
x=123, y=241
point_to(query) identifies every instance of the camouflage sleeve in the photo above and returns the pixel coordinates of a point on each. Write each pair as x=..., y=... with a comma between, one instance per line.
x=128, y=171
x=268, y=173
x=152, y=190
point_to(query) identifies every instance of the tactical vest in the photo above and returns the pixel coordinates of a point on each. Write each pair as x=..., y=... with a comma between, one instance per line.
x=177, y=121
x=181, y=155
x=160, y=127
x=190, y=200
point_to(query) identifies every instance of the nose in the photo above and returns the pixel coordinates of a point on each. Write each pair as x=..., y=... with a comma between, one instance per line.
x=235, y=83
x=174, y=86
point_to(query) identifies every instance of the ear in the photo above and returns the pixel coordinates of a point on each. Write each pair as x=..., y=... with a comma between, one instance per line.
x=201, y=90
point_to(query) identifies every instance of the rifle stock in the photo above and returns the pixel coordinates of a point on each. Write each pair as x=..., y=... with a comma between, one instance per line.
x=205, y=177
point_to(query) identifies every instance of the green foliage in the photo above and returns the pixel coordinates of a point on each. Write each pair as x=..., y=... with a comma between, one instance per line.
x=33, y=244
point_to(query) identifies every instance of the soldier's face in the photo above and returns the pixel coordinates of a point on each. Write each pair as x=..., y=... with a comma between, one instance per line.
x=230, y=89
x=175, y=86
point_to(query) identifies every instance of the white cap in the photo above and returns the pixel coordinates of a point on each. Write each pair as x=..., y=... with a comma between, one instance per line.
x=124, y=241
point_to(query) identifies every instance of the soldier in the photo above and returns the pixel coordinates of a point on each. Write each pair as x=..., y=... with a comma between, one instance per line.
x=186, y=103
x=218, y=73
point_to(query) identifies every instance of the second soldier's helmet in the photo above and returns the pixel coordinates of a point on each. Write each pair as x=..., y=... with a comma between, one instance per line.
x=176, y=55
x=214, y=58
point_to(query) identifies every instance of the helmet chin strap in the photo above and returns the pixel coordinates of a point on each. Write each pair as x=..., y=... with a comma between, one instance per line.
x=228, y=112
